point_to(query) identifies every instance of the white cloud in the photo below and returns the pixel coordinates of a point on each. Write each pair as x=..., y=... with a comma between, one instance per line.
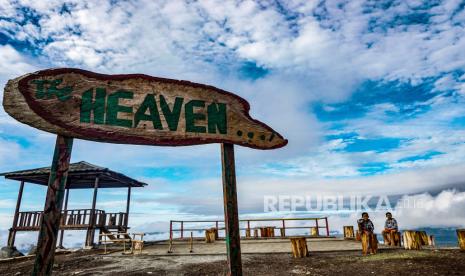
x=308, y=59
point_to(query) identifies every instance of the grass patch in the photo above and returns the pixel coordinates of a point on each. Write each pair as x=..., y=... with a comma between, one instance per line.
x=396, y=256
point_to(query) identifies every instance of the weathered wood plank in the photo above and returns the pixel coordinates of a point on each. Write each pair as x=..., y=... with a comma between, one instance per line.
x=52, y=212
x=231, y=217
x=134, y=109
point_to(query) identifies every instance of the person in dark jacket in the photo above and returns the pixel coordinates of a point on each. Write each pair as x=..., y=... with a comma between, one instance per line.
x=366, y=228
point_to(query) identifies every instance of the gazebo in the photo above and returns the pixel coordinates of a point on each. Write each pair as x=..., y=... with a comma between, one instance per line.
x=81, y=175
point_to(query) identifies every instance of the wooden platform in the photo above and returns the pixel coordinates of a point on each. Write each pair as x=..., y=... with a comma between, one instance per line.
x=251, y=246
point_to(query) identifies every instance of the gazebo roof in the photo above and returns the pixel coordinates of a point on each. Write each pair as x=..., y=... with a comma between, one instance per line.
x=81, y=175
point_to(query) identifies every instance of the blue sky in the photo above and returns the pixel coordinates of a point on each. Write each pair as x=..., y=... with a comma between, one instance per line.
x=370, y=95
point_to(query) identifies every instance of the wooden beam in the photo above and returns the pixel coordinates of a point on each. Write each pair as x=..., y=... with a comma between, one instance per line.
x=12, y=234
x=231, y=217
x=91, y=229
x=126, y=219
x=52, y=211
x=64, y=219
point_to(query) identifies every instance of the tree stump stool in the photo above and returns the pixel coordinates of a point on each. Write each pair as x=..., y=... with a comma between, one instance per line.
x=247, y=233
x=209, y=236
x=282, y=232
x=255, y=233
x=411, y=240
x=263, y=232
x=423, y=237
x=299, y=247
x=461, y=238
x=349, y=232
x=270, y=232
x=392, y=238
x=369, y=243
x=314, y=231
x=216, y=232
x=267, y=232
x=431, y=240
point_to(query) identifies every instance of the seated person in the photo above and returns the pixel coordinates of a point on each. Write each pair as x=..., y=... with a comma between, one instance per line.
x=366, y=228
x=390, y=230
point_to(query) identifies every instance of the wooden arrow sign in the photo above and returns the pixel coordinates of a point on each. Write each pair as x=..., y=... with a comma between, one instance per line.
x=134, y=109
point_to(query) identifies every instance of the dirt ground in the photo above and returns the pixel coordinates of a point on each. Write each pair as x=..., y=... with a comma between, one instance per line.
x=388, y=262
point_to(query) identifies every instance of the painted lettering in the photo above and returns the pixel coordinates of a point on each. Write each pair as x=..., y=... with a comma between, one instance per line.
x=217, y=118
x=149, y=104
x=113, y=108
x=171, y=115
x=97, y=106
x=192, y=117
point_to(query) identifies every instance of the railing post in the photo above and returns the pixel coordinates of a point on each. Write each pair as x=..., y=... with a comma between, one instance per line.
x=126, y=219
x=64, y=217
x=284, y=228
x=327, y=226
x=91, y=228
x=171, y=229
x=182, y=229
x=317, y=227
x=12, y=234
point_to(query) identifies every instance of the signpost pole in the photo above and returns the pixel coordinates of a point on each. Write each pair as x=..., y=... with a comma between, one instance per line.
x=231, y=217
x=52, y=211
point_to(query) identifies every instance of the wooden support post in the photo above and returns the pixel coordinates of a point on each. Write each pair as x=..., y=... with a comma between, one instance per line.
x=283, y=230
x=128, y=202
x=182, y=229
x=91, y=229
x=52, y=211
x=231, y=217
x=63, y=219
x=12, y=234
x=171, y=229
x=191, y=243
x=327, y=226
x=317, y=228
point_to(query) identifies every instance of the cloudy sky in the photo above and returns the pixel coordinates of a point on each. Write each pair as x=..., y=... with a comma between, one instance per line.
x=370, y=95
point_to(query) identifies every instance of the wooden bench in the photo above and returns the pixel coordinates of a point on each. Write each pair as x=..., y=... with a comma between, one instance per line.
x=114, y=238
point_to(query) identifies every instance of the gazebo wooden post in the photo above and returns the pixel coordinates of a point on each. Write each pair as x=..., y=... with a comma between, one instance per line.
x=126, y=218
x=63, y=219
x=12, y=234
x=91, y=229
x=52, y=211
x=231, y=216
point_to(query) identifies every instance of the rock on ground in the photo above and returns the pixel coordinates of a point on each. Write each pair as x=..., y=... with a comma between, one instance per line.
x=9, y=252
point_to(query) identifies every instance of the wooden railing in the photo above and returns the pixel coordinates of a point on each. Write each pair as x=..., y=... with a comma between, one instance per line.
x=111, y=220
x=28, y=220
x=312, y=224
x=78, y=218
